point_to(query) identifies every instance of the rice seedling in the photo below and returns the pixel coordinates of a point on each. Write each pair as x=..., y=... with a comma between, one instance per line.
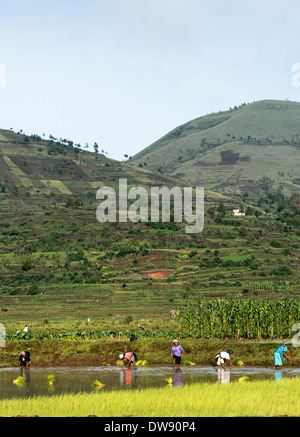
x=51, y=379
x=189, y=363
x=19, y=381
x=243, y=379
x=97, y=384
x=169, y=380
x=141, y=363
x=240, y=363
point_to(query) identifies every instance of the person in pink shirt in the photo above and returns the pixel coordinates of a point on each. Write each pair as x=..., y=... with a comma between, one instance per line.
x=128, y=356
x=176, y=353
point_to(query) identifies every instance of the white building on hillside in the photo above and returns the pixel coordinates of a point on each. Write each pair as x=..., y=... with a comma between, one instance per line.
x=237, y=212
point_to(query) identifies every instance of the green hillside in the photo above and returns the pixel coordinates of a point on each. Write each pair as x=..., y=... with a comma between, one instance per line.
x=252, y=148
x=38, y=175
x=44, y=172
x=60, y=266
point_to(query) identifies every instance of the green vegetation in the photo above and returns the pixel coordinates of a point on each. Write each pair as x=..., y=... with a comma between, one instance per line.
x=67, y=276
x=215, y=318
x=251, y=399
x=20, y=381
x=61, y=267
x=237, y=318
x=153, y=350
x=233, y=151
x=84, y=287
x=57, y=275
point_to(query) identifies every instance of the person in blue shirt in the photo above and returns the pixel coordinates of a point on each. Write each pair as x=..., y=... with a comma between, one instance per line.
x=280, y=354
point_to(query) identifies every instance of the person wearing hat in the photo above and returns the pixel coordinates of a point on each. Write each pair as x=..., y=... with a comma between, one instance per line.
x=280, y=354
x=176, y=353
x=221, y=358
x=128, y=356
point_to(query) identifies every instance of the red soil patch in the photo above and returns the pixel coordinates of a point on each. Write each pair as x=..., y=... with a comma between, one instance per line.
x=158, y=274
x=155, y=257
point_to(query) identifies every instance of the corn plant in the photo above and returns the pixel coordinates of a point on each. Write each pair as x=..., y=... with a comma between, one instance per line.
x=237, y=318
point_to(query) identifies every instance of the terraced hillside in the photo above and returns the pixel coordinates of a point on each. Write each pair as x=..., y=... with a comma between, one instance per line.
x=63, y=266
x=48, y=171
x=60, y=266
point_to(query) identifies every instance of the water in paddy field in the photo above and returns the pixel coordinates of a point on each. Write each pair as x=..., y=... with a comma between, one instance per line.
x=81, y=379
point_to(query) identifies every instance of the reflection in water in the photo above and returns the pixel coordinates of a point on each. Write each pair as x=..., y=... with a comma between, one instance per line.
x=177, y=378
x=80, y=379
x=128, y=376
x=25, y=373
x=223, y=375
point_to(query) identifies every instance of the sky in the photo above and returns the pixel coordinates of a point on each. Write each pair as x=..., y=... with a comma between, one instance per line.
x=123, y=73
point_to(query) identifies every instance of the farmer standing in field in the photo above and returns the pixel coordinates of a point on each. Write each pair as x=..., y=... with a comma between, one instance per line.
x=222, y=357
x=176, y=353
x=280, y=354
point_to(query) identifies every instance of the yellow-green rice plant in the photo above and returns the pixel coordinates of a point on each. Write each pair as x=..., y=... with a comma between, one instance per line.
x=19, y=381
x=51, y=379
x=189, y=363
x=243, y=379
x=97, y=384
x=262, y=398
x=169, y=380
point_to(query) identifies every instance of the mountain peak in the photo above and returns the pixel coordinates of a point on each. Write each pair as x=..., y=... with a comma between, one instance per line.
x=233, y=150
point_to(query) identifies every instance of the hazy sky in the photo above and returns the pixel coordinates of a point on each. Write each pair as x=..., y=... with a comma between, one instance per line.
x=123, y=73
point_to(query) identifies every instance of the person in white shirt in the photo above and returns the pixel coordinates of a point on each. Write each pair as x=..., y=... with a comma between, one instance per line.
x=25, y=329
x=221, y=358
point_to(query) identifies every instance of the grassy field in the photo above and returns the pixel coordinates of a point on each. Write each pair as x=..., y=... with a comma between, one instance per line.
x=247, y=399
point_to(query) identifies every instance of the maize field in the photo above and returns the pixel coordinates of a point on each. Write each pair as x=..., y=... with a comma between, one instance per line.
x=240, y=318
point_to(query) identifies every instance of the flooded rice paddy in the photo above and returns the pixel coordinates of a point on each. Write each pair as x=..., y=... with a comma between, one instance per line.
x=81, y=379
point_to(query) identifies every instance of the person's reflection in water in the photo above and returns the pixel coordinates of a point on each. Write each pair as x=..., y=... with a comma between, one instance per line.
x=278, y=375
x=223, y=375
x=25, y=373
x=122, y=379
x=128, y=376
x=177, y=378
